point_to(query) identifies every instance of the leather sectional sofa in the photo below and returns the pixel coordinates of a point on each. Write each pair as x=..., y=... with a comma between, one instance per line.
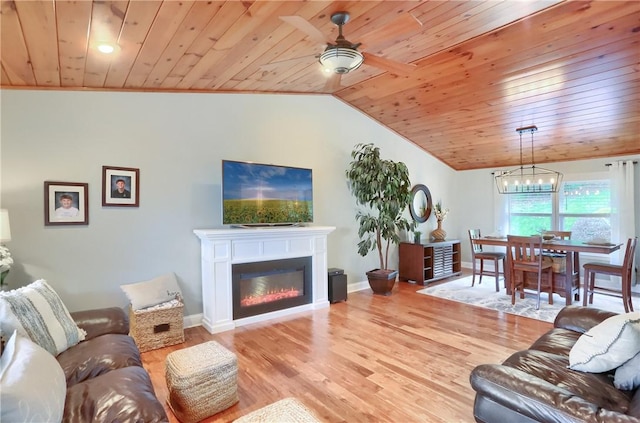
x=536, y=385
x=105, y=378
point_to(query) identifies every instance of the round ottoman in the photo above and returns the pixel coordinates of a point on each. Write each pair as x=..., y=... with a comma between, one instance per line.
x=288, y=410
x=202, y=380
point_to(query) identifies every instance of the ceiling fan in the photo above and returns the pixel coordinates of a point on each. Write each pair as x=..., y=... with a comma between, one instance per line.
x=342, y=56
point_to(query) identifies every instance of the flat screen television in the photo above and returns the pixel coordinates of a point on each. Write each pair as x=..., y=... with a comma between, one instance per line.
x=255, y=194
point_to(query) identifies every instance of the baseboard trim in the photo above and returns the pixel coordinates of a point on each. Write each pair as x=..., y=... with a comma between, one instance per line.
x=358, y=286
x=193, y=320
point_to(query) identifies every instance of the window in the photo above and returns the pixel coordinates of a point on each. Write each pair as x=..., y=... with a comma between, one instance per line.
x=530, y=213
x=585, y=209
x=581, y=206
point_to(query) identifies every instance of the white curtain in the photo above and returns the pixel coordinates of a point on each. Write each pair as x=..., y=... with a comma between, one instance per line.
x=622, y=206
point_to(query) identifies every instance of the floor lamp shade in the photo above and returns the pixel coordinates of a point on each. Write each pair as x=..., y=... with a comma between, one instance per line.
x=5, y=228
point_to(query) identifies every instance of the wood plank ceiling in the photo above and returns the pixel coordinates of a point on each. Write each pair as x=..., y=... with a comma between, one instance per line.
x=482, y=68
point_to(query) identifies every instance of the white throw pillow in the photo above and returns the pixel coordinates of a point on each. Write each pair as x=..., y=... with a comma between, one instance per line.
x=155, y=291
x=37, y=312
x=32, y=383
x=627, y=376
x=607, y=345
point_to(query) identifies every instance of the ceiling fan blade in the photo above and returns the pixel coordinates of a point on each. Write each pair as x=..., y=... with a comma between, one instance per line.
x=333, y=83
x=307, y=27
x=388, y=65
x=288, y=62
x=405, y=24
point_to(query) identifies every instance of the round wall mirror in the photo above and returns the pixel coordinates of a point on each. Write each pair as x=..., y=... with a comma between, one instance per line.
x=421, y=204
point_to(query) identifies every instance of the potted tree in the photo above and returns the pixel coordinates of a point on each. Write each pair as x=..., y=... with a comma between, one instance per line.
x=383, y=189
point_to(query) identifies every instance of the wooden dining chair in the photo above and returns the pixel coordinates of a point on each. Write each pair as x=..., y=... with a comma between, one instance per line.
x=526, y=257
x=623, y=271
x=565, y=235
x=559, y=234
x=478, y=254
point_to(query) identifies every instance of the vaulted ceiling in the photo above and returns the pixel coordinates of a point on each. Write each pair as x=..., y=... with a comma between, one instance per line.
x=454, y=77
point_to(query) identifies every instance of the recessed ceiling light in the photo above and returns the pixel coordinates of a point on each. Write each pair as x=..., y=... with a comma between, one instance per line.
x=106, y=48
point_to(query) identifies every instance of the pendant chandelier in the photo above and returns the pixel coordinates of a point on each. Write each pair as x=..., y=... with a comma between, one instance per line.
x=528, y=179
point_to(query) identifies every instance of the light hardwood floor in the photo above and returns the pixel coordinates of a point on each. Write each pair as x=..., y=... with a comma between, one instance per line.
x=401, y=358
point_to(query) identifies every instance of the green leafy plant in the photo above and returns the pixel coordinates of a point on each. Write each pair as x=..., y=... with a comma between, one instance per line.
x=383, y=188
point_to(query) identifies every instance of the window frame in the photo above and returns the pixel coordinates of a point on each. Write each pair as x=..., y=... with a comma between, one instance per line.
x=556, y=217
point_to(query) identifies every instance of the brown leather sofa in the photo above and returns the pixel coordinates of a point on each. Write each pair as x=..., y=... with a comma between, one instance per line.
x=105, y=378
x=536, y=385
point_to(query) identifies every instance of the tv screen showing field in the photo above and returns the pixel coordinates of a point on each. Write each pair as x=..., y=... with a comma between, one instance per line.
x=265, y=194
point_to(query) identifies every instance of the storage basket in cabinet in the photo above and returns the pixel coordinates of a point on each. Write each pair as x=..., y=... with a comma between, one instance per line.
x=559, y=262
x=158, y=326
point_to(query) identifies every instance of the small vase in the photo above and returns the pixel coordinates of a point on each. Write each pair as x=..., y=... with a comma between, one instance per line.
x=439, y=234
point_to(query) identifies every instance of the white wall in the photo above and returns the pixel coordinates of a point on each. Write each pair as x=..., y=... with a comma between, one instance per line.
x=177, y=141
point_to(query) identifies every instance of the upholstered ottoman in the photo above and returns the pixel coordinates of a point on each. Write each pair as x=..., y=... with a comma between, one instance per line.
x=288, y=410
x=202, y=380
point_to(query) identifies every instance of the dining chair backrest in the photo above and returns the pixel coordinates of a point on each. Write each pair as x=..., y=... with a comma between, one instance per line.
x=564, y=235
x=624, y=271
x=559, y=234
x=475, y=234
x=627, y=265
x=525, y=250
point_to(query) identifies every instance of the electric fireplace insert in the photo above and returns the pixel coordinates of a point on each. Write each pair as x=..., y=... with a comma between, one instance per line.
x=266, y=286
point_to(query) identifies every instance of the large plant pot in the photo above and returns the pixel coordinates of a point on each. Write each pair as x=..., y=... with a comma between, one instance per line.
x=382, y=281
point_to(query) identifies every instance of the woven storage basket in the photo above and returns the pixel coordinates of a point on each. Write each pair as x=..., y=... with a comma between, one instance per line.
x=157, y=328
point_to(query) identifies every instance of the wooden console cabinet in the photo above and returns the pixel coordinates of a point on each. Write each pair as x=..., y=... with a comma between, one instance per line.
x=424, y=263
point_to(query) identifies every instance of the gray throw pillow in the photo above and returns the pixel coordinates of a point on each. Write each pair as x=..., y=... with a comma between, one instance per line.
x=37, y=312
x=152, y=292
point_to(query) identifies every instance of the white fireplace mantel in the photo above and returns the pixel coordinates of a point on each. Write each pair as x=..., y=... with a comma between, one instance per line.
x=221, y=248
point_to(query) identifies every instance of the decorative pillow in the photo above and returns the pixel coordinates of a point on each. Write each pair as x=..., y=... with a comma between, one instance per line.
x=628, y=375
x=607, y=345
x=32, y=383
x=37, y=312
x=155, y=291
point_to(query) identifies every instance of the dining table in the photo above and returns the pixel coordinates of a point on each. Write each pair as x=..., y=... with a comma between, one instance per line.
x=570, y=248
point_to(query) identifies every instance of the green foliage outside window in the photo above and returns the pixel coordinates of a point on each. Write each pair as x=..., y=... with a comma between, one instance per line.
x=587, y=197
x=584, y=208
x=529, y=225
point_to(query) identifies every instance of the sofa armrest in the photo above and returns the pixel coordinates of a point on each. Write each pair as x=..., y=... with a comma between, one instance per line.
x=580, y=319
x=102, y=321
x=536, y=398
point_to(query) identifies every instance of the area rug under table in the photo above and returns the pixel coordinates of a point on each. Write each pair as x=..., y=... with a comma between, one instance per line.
x=484, y=295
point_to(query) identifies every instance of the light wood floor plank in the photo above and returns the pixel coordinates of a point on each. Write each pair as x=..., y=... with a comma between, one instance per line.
x=402, y=358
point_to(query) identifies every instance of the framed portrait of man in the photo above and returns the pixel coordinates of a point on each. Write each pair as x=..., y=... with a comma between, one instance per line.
x=120, y=186
x=66, y=203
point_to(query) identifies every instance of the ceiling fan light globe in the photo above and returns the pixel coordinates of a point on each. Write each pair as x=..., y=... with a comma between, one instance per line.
x=106, y=48
x=341, y=60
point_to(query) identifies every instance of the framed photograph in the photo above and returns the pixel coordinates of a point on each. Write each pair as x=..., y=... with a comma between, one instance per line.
x=120, y=186
x=66, y=203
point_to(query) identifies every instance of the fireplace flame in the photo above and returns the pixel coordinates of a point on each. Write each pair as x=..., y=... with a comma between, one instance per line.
x=270, y=296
